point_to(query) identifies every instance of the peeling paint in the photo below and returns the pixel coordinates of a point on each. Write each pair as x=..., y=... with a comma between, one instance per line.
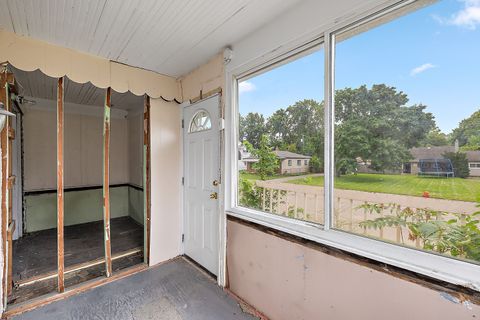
x=449, y=297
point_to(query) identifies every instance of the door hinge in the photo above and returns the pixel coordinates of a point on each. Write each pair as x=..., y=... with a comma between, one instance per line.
x=183, y=237
x=183, y=181
x=183, y=123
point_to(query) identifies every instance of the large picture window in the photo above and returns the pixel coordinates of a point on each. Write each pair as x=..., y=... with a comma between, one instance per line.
x=374, y=138
x=280, y=125
x=407, y=126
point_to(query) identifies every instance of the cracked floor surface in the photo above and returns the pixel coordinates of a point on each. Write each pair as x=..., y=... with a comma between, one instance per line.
x=175, y=290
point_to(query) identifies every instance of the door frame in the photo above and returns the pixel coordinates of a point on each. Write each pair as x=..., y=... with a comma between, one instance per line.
x=221, y=276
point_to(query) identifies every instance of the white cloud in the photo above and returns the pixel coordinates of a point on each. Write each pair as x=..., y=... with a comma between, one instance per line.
x=422, y=68
x=246, y=86
x=468, y=17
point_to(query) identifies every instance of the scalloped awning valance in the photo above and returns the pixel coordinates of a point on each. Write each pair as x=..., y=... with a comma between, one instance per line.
x=28, y=54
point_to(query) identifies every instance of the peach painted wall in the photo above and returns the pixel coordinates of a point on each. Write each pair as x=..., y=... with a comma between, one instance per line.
x=166, y=177
x=288, y=281
x=207, y=77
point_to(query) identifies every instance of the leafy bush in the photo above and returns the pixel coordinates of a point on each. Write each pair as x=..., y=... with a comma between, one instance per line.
x=252, y=196
x=457, y=234
x=308, y=180
x=316, y=165
x=345, y=165
x=459, y=162
x=267, y=162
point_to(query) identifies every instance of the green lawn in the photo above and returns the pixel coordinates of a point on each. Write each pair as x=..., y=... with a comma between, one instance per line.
x=442, y=188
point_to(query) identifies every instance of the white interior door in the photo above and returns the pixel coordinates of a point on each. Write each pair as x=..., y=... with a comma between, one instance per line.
x=202, y=173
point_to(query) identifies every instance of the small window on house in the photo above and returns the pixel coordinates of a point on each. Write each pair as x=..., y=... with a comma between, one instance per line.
x=299, y=163
x=200, y=122
x=306, y=162
x=289, y=163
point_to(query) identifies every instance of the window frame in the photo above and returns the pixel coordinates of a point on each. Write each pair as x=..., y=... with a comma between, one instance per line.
x=433, y=265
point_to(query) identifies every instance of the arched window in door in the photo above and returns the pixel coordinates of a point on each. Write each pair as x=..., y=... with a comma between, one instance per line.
x=200, y=122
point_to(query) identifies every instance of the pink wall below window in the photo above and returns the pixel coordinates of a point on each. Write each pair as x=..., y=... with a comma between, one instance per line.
x=288, y=281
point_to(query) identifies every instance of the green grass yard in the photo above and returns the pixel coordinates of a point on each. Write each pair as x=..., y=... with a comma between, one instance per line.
x=254, y=176
x=441, y=188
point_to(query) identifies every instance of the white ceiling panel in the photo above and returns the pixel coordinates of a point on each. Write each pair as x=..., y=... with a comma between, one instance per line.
x=167, y=36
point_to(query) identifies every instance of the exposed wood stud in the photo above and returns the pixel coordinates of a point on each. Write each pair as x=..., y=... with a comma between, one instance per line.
x=5, y=184
x=206, y=95
x=11, y=182
x=106, y=181
x=10, y=230
x=7, y=86
x=11, y=133
x=146, y=176
x=76, y=267
x=60, y=200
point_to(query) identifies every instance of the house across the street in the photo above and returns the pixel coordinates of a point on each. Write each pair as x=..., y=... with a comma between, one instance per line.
x=292, y=163
x=424, y=154
x=289, y=162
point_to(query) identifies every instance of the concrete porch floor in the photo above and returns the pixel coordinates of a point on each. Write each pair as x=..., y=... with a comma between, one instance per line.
x=176, y=290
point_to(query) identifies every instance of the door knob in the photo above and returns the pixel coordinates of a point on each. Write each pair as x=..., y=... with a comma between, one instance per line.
x=213, y=195
x=215, y=183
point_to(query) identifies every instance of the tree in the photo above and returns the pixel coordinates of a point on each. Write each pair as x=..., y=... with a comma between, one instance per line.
x=459, y=162
x=435, y=138
x=277, y=125
x=298, y=128
x=468, y=132
x=316, y=165
x=473, y=144
x=376, y=126
x=267, y=162
x=252, y=128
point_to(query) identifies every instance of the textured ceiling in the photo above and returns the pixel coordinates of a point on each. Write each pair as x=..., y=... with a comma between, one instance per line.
x=167, y=36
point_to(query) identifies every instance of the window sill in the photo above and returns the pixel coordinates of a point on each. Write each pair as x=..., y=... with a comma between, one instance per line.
x=435, y=266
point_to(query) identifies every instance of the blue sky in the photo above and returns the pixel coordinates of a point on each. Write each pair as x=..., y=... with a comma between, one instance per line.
x=433, y=55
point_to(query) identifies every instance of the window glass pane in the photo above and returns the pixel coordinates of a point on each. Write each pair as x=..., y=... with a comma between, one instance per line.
x=407, y=130
x=281, y=124
x=200, y=122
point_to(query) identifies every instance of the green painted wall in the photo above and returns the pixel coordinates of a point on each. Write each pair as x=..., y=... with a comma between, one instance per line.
x=135, y=204
x=80, y=207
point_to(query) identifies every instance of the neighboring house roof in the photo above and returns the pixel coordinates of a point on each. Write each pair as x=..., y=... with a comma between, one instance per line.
x=473, y=156
x=289, y=155
x=430, y=152
x=282, y=155
x=437, y=153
